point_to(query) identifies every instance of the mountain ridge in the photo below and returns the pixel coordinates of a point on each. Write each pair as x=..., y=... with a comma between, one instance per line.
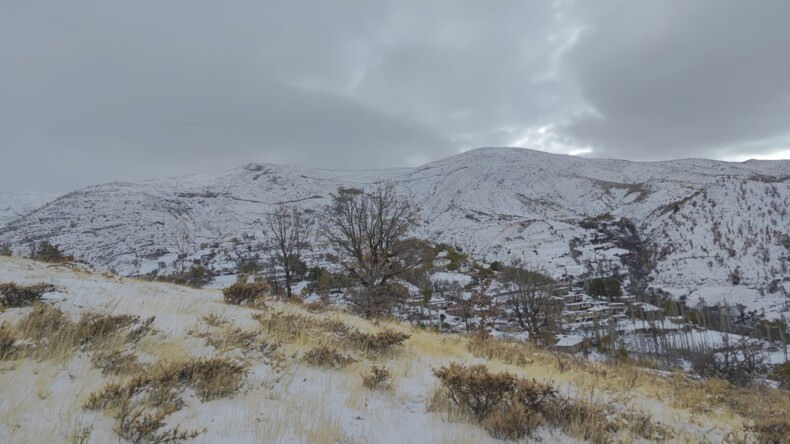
x=556, y=212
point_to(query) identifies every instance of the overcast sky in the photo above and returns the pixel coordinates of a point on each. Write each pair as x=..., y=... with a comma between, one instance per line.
x=97, y=91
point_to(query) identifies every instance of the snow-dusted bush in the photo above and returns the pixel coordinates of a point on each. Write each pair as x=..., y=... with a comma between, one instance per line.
x=377, y=378
x=15, y=295
x=247, y=293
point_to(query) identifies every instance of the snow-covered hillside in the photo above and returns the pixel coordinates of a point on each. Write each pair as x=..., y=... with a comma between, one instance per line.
x=688, y=225
x=66, y=377
x=14, y=204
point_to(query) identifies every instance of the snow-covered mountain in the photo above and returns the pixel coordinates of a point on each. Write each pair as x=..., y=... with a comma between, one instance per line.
x=699, y=228
x=14, y=204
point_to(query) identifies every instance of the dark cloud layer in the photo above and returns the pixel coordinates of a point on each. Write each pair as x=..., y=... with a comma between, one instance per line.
x=94, y=91
x=673, y=79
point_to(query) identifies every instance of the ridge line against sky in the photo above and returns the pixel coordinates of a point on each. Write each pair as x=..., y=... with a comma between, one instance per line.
x=96, y=91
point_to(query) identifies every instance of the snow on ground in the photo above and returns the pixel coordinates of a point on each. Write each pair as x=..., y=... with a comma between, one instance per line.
x=773, y=305
x=15, y=204
x=41, y=402
x=448, y=276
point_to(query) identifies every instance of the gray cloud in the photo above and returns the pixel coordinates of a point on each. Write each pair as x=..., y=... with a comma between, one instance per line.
x=97, y=91
x=677, y=79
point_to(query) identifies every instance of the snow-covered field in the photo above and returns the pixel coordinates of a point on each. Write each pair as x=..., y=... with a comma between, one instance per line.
x=285, y=401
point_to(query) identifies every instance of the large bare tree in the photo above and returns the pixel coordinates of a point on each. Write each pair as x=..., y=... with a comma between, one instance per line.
x=369, y=231
x=529, y=295
x=288, y=235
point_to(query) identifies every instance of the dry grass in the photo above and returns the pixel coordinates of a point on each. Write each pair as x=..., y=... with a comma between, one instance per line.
x=327, y=357
x=251, y=294
x=142, y=403
x=117, y=362
x=378, y=343
x=598, y=402
x=51, y=334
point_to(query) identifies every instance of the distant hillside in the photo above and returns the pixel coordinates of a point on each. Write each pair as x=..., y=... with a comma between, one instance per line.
x=696, y=228
x=14, y=204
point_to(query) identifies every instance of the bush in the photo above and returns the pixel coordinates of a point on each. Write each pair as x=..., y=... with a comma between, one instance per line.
x=315, y=306
x=325, y=356
x=210, y=378
x=515, y=422
x=506, y=406
x=15, y=295
x=46, y=252
x=781, y=374
x=377, y=378
x=116, y=363
x=250, y=294
x=196, y=277
x=138, y=426
x=475, y=388
x=380, y=342
x=737, y=363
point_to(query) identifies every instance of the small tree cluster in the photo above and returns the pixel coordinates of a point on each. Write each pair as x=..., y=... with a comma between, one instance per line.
x=737, y=363
x=530, y=299
x=369, y=233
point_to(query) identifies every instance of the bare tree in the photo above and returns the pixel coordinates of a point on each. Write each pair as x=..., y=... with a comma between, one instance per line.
x=369, y=233
x=181, y=240
x=288, y=235
x=529, y=295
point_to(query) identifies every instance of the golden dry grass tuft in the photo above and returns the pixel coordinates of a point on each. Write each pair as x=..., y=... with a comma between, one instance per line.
x=51, y=334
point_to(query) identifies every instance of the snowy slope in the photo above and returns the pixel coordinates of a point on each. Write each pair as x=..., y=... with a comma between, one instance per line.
x=280, y=398
x=14, y=204
x=495, y=203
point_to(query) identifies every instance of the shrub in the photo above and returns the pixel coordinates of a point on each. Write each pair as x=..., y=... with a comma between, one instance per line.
x=137, y=425
x=376, y=378
x=325, y=356
x=781, y=374
x=232, y=338
x=515, y=422
x=315, y=306
x=475, y=388
x=15, y=295
x=506, y=406
x=116, y=363
x=737, y=363
x=46, y=252
x=144, y=329
x=250, y=294
x=196, y=277
x=94, y=327
x=211, y=378
x=379, y=342
x=522, y=411
x=775, y=429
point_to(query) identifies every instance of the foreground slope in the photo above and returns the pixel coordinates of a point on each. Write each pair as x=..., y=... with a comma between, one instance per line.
x=280, y=398
x=687, y=226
